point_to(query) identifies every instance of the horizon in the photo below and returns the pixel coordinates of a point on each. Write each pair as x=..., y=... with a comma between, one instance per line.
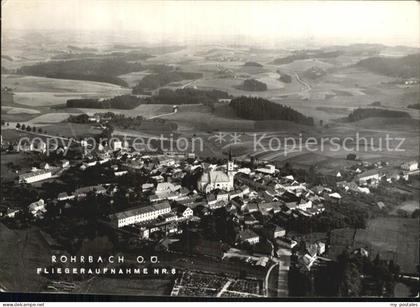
x=389, y=23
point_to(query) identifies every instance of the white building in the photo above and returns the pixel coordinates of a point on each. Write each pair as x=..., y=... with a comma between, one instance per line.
x=249, y=236
x=268, y=169
x=166, y=187
x=35, y=176
x=37, y=208
x=410, y=166
x=116, y=145
x=141, y=214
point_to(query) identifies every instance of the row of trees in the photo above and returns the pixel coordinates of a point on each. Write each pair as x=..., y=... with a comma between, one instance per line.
x=125, y=102
x=256, y=108
x=28, y=128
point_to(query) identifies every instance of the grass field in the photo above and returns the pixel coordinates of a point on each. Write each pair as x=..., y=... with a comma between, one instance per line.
x=40, y=91
x=394, y=239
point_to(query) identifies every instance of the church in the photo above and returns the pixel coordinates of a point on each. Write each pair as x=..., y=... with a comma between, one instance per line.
x=218, y=179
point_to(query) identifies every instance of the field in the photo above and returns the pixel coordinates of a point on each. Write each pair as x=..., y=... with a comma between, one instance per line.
x=39, y=91
x=393, y=238
x=21, y=253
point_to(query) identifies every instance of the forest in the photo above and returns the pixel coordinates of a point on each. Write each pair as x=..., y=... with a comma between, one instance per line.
x=256, y=108
x=162, y=78
x=253, y=85
x=362, y=113
x=90, y=69
x=125, y=102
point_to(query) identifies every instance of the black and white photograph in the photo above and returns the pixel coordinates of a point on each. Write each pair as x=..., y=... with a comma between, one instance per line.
x=215, y=151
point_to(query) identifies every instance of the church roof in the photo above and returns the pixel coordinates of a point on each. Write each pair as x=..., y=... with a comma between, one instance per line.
x=214, y=177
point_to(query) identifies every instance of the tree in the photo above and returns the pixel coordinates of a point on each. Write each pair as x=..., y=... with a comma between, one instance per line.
x=17, y=125
x=33, y=129
x=23, y=127
x=28, y=128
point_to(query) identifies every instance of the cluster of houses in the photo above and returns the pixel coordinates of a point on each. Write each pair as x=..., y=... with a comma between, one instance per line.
x=367, y=175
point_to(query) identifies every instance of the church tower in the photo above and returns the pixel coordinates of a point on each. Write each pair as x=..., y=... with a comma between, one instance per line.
x=231, y=170
x=230, y=164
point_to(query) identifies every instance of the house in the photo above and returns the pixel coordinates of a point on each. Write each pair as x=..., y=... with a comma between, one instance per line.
x=11, y=212
x=304, y=205
x=184, y=212
x=147, y=187
x=83, y=191
x=165, y=187
x=120, y=173
x=335, y=197
x=250, y=220
x=273, y=207
x=368, y=177
x=35, y=176
x=116, y=145
x=37, y=209
x=248, y=236
x=274, y=231
x=252, y=207
x=410, y=166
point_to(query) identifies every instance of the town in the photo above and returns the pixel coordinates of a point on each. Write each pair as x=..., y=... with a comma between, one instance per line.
x=261, y=229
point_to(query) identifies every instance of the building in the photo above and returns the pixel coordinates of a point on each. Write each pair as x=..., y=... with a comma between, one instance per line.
x=248, y=236
x=274, y=231
x=269, y=169
x=166, y=187
x=37, y=209
x=140, y=214
x=35, y=176
x=217, y=179
x=410, y=166
x=185, y=212
x=64, y=196
x=116, y=145
x=368, y=177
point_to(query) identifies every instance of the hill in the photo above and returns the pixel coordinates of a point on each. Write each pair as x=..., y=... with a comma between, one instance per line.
x=256, y=108
x=402, y=67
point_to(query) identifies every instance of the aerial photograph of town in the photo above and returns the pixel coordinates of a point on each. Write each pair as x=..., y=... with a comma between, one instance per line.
x=210, y=149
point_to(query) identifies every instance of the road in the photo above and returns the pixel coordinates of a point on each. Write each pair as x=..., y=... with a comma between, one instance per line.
x=161, y=115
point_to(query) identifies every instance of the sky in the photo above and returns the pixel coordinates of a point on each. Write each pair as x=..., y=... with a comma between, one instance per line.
x=387, y=22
